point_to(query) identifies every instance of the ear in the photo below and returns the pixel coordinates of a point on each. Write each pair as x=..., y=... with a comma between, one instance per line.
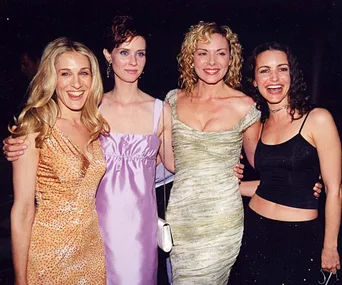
x=255, y=84
x=107, y=55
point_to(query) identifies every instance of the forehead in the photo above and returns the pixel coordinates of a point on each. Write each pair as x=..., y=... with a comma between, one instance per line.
x=137, y=43
x=73, y=58
x=271, y=57
x=216, y=41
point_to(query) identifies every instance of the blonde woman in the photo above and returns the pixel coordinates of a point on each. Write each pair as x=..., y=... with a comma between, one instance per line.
x=211, y=123
x=58, y=241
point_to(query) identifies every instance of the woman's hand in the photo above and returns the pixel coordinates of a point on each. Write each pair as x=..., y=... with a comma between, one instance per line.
x=330, y=260
x=13, y=148
x=238, y=170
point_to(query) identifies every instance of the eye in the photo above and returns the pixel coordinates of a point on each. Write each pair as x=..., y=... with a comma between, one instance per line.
x=284, y=69
x=263, y=70
x=65, y=73
x=202, y=53
x=85, y=73
x=222, y=53
x=124, y=52
x=141, y=53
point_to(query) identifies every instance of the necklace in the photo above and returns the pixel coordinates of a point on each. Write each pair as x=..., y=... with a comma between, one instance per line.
x=279, y=109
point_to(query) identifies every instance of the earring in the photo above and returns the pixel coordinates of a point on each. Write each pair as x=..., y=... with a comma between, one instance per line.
x=109, y=69
x=142, y=73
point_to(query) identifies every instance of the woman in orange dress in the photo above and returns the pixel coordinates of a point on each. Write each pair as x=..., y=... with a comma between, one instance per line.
x=58, y=241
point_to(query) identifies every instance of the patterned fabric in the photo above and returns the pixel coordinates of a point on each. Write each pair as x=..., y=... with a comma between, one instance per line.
x=205, y=208
x=66, y=246
x=127, y=208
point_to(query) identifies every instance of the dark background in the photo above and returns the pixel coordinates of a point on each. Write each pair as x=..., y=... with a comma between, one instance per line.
x=313, y=29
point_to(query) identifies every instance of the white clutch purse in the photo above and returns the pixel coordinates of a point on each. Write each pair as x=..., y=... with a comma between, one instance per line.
x=164, y=236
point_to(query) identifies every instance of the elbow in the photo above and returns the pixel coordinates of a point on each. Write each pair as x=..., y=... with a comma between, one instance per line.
x=332, y=190
x=22, y=216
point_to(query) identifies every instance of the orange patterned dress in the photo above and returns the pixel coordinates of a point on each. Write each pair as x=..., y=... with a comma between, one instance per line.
x=66, y=246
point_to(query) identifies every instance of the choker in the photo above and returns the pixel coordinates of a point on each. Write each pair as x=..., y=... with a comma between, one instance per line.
x=277, y=110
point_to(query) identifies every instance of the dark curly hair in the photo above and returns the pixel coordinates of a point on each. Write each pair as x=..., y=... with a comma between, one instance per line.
x=298, y=99
x=122, y=29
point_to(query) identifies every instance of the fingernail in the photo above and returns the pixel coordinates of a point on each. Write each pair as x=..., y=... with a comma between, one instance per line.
x=24, y=146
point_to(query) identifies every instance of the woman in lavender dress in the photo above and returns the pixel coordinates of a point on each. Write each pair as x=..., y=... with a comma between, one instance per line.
x=126, y=201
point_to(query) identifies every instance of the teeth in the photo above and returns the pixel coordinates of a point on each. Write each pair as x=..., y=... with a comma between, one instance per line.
x=211, y=70
x=75, y=93
x=274, y=87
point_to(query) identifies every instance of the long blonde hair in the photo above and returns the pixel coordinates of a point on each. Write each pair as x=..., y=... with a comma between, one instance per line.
x=42, y=111
x=202, y=32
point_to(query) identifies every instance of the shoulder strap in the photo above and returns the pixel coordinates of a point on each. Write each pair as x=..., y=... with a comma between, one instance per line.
x=262, y=129
x=301, y=127
x=158, y=106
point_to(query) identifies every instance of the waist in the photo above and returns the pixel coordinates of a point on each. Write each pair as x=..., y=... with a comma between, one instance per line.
x=296, y=194
x=279, y=212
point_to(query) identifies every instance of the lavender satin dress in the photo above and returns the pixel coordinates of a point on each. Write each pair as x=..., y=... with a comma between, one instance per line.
x=127, y=208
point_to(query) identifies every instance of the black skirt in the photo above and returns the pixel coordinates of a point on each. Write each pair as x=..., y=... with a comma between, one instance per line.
x=276, y=252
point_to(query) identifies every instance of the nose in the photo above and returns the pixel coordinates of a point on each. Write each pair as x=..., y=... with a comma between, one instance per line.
x=76, y=82
x=133, y=60
x=274, y=75
x=212, y=59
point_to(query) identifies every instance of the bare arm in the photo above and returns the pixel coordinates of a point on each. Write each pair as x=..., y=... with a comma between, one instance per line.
x=327, y=141
x=250, y=140
x=22, y=213
x=166, y=150
x=248, y=188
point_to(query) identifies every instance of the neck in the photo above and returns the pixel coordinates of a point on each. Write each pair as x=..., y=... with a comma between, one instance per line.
x=207, y=91
x=74, y=117
x=279, y=115
x=126, y=91
x=279, y=109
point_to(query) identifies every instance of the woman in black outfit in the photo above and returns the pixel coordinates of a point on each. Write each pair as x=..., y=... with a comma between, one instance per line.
x=282, y=241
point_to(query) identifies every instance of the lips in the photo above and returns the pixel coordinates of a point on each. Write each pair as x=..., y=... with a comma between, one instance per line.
x=274, y=89
x=211, y=71
x=131, y=71
x=75, y=94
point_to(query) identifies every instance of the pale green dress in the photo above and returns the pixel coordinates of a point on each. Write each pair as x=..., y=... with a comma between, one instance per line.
x=205, y=208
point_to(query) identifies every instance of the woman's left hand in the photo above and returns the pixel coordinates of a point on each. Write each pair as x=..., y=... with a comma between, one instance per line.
x=330, y=260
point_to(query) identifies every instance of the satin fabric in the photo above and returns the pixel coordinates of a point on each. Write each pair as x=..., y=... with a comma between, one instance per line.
x=127, y=209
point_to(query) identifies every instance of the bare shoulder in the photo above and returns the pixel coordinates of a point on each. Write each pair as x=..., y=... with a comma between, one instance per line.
x=105, y=99
x=320, y=117
x=30, y=139
x=243, y=102
x=147, y=97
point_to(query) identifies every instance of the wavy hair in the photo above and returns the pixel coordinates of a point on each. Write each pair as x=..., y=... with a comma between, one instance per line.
x=298, y=99
x=42, y=111
x=122, y=29
x=202, y=32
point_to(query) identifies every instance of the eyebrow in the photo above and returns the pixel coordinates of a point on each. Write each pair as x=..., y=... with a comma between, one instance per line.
x=207, y=50
x=82, y=68
x=130, y=49
x=266, y=66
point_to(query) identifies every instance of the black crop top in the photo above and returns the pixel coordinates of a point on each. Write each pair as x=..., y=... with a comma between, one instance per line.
x=288, y=172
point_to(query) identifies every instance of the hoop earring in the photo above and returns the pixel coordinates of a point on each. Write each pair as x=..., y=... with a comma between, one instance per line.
x=109, y=69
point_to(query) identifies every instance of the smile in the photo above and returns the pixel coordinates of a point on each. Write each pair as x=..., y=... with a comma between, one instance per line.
x=211, y=71
x=131, y=71
x=75, y=94
x=274, y=88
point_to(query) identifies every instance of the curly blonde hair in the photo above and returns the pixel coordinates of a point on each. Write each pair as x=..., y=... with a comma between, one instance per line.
x=42, y=111
x=202, y=32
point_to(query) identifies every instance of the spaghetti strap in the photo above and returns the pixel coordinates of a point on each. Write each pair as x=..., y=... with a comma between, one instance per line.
x=301, y=127
x=158, y=107
x=262, y=129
